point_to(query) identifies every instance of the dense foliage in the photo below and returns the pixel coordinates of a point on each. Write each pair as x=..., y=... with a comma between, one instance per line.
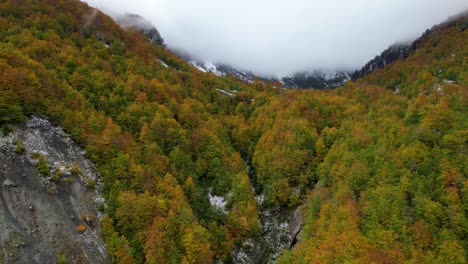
x=380, y=173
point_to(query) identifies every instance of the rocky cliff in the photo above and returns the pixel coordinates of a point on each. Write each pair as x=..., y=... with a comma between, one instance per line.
x=49, y=195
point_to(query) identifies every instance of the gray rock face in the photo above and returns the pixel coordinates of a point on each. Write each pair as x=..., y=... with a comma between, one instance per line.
x=39, y=213
x=280, y=230
x=295, y=227
x=9, y=183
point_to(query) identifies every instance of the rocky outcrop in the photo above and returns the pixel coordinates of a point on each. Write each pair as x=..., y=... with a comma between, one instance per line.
x=48, y=189
x=295, y=227
x=138, y=23
x=281, y=228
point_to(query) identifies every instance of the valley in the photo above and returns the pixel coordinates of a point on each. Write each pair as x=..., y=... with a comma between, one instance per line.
x=173, y=160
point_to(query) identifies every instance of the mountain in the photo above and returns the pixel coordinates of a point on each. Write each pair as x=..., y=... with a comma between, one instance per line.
x=304, y=80
x=316, y=79
x=402, y=51
x=391, y=54
x=199, y=168
x=225, y=70
x=138, y=23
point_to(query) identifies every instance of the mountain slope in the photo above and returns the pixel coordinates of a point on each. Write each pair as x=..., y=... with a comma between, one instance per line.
x=138, y=23
x=402, y=51
x=226, y=70
x=303, y=80
x=395, y=192
x=316, y=79
x=439, y=57
x=391, y=54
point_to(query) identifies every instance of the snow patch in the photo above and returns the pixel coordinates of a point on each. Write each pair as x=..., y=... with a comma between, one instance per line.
x=163, y=63
x=397, y=89
x=225, y=92
x=197, y=66
x=210, y=67
x=259, y=199
x=217, y=202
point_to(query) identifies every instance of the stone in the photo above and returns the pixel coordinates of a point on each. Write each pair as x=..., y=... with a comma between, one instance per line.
x=9, y=183
x=295, y=226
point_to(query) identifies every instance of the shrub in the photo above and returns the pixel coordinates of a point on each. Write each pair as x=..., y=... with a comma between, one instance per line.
x=75, y=170
x=91, y=217
x=101, y=207
x=62, y=259
x=80, y=228
x=51, y=191
x=91, y=183
x=35, y=155
x=5, y=129
x=56, y=174
x=88, y=218
x=84, y=217
x=20, y=147
x=68, y=180
x=43, y=166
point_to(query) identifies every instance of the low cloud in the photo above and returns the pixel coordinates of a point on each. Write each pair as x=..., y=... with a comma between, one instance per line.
x=279, y=37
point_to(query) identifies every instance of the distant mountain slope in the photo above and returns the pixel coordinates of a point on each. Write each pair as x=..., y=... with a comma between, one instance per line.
x=308, y=79
x=437, y=57
x=139, y=23
x=402, y=51
x=225, y=70
x=305, y=80
x=316, y=79
x=391, y=54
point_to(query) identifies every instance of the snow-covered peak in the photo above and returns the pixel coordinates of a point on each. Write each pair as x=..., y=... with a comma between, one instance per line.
x=313, y=79
x=207, y=67
x=223, y=70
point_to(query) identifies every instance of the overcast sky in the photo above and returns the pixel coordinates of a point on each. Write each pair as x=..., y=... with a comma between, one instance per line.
x=283, y=36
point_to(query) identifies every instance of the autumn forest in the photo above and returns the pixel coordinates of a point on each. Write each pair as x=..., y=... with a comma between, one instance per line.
x=377, y=167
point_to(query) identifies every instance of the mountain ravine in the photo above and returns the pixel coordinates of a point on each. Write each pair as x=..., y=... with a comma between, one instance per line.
x=280, y=227
x=40, y=209
x=48, y=192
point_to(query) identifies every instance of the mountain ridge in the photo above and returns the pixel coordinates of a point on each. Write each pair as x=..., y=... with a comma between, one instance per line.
x=401, y=51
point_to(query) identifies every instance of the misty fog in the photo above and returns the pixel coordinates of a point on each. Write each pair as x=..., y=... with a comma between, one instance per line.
x=279, y=37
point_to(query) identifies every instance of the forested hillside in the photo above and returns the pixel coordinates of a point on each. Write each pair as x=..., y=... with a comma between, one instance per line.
x=378, y=166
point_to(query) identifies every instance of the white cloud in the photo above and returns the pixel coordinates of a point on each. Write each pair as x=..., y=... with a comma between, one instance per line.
x=279, y=36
